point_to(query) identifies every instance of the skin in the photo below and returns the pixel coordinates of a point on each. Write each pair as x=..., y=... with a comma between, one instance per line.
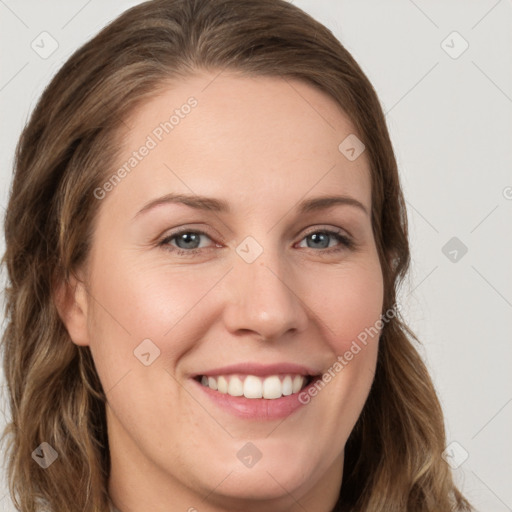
x=263, y=145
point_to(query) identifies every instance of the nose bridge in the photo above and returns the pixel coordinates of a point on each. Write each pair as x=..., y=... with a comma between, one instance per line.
x=263, y=299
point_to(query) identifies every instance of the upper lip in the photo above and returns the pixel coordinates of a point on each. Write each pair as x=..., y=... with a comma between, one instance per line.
x=261, y=370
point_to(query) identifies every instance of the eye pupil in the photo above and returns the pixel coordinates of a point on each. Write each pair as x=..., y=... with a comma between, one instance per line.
x=188, y=238
x=321, y=238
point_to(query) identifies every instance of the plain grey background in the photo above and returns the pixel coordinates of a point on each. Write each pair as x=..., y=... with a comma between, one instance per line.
x=443, y=72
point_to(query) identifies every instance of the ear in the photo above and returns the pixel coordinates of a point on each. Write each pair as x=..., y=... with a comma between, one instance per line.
x=70, y=299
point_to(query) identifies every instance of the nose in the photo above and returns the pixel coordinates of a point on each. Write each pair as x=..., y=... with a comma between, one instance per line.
x=263, y=301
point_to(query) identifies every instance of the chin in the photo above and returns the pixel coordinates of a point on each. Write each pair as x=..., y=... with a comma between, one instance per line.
x=271, y=482
x=277, y=474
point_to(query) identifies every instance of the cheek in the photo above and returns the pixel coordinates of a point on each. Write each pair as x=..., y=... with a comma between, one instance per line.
x=348, y=303
x=348, y=310
x=148, y=300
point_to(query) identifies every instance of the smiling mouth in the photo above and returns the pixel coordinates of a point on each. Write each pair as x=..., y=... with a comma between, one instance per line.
x=253, y=387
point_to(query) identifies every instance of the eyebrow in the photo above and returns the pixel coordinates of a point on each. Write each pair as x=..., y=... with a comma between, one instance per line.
x=221, y=206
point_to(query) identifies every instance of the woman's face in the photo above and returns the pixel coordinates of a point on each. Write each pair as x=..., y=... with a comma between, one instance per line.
x=246, y=285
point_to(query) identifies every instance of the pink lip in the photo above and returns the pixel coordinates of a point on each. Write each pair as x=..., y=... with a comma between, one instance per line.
x=256, y=409
x=261, y=370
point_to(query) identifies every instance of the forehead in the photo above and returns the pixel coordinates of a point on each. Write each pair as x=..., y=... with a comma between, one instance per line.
x=239, y=137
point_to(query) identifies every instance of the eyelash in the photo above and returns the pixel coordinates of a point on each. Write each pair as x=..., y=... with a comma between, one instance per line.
x=345, y=242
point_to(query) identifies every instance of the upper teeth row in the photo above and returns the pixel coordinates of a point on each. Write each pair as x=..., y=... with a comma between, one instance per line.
x=251, y=386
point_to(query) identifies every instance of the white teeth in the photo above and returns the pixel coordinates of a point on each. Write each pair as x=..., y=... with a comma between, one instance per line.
x=212, y=383
x=236, y=387
x=272, y=388
x=253, y=387
x=250, y=386
x=222, y=385
x=287, y=386
x=298, y=380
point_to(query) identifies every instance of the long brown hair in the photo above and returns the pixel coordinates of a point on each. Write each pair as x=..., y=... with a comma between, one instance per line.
x=393, y=456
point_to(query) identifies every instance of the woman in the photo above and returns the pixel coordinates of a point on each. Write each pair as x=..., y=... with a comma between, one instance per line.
x=205, y=237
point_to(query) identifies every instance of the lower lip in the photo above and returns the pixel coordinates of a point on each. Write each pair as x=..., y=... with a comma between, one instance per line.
x=256, y=408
